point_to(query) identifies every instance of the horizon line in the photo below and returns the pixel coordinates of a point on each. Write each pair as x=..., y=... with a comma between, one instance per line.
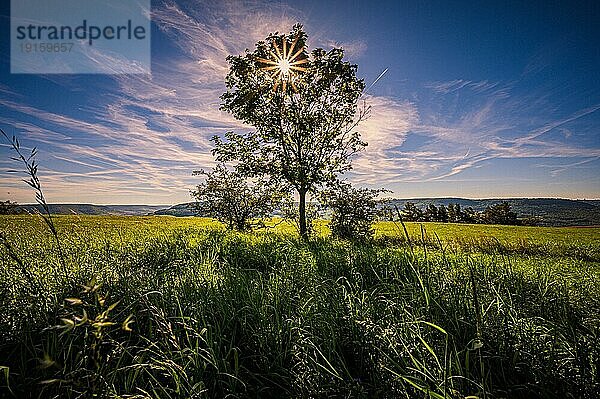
x=392, y=198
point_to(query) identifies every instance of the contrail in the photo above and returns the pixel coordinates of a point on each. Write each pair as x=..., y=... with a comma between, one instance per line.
x=380, y=76
x=377, y=80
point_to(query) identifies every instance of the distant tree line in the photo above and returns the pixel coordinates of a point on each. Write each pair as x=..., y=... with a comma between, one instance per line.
x=10, y=208
x=500, y=213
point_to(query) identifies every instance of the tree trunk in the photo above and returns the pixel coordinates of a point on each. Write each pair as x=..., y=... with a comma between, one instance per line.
x=302, y=215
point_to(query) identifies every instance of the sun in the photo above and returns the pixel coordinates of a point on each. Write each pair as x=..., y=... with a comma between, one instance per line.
x=284, y=64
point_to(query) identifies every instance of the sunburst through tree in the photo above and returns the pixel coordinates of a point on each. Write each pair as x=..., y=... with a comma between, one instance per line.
x=284, y=64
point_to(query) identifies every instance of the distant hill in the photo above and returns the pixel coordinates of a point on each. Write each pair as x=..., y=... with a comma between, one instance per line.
x=186, y=209
x=552, y=211
x=89, y=209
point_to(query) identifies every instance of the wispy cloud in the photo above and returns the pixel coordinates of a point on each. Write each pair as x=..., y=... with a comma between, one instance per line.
x=384, y=130
x=557, y=169
x=458, y=84
x=141, y=139
x=152, y=131
x=489, y=125
x=352, y=49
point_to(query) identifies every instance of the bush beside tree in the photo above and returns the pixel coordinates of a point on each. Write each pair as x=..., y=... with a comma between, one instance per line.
x=353, y=210
x=234, y=200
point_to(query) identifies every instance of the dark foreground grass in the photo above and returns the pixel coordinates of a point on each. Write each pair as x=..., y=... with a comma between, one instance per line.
x=204, y=313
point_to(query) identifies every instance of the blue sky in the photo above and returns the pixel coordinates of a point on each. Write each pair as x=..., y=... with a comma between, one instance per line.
x=481, y=99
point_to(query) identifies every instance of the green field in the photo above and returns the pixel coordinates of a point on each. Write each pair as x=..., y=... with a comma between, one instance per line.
x=178, y=308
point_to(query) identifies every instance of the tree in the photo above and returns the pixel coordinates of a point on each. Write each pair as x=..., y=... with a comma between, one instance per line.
x=442, y=214
x=454, y=213
x=353, y=210
x=227, y=196
x=9, y=208
x=289, y=211
x=411, y=213
x=431, y=213
x=304, y=110
x=469, y=215
x=499, y=214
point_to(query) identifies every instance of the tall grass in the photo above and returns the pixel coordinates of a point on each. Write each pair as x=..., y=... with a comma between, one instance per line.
x=208, y=313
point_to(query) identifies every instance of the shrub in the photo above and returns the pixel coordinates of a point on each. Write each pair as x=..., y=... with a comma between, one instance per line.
x=353, y=210
x=233, y=200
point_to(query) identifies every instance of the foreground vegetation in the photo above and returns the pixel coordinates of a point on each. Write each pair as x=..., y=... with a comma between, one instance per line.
x=180, y=308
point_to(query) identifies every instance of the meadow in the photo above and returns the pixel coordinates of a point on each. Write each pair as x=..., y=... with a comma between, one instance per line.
x=163, y=307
